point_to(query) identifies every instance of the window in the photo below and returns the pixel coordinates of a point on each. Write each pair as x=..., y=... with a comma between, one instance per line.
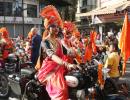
x=5, y=9
x=8, y=8
x=84, y=3
x=1, y=8
x=17, y=9
x=84, y=10
x=32, y=10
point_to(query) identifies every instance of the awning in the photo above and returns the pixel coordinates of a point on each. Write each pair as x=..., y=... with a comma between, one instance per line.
x=121, y=6
x=100, y=11
x=106, y=10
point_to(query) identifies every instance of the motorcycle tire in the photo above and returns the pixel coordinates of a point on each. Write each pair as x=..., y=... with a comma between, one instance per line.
x=33, y=96
x=99, y=94
x=110, y=87
x=4, y=86
x=38, y=95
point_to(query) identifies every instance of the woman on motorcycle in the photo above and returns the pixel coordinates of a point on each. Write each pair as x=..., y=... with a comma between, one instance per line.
x=77, y=45
x=53, y=67
x=68, y=49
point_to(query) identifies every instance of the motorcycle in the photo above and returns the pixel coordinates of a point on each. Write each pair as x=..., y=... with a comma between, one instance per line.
x=4, y=87
x=83, y=84
x=10, y=66
x=26, y=85
x=80, y=84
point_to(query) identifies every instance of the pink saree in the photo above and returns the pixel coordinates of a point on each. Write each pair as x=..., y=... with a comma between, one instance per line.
x=55, y=84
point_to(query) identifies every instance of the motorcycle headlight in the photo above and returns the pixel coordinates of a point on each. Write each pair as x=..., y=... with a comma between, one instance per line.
x=72, y=81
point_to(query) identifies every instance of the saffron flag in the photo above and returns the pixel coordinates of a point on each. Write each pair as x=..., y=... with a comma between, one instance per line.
x=88, y=52
x=93, y=36
x=91, y=47
x=124, y=41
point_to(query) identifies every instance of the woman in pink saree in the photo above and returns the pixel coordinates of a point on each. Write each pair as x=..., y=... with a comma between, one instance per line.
x=54, y=65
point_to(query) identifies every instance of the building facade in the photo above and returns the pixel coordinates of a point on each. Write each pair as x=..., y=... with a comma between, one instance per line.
x=108, y=15
x=84, y=6
x=19, y=16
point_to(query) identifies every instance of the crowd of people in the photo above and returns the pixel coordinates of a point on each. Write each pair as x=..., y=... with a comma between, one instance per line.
x=60, y=49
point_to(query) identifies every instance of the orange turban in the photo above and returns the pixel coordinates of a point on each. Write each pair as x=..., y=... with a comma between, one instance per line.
x=69, y=26
x=51, y=16
x=4, y=32
x=76, y=34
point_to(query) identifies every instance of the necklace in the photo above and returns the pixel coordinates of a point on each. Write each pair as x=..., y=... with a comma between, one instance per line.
x=54, y=43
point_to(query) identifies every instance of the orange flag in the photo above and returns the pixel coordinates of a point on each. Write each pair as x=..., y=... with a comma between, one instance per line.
x=93, y=36
x=124, y=41
x=91, y=47
x=88, y=52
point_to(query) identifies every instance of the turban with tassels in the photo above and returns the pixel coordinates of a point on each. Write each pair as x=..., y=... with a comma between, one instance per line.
x=51, y=16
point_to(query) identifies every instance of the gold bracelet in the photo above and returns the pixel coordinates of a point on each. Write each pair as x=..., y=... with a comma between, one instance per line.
x=65, y=63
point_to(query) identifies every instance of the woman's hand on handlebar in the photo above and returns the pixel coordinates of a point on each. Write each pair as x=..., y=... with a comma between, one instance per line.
x=73, y=66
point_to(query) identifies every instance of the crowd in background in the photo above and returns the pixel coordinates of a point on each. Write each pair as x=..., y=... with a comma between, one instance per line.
x=76, y=46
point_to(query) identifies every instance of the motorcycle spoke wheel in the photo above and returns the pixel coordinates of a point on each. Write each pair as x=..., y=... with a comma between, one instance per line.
x=4, y=88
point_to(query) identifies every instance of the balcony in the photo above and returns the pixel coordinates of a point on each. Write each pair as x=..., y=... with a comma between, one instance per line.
x=19, y=20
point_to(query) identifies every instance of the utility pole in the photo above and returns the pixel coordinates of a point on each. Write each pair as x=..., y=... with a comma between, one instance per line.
x=4, y=11
x=14, y=12
x=23, y=17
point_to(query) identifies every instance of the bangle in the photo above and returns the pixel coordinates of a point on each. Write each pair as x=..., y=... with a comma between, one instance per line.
x=65, y=63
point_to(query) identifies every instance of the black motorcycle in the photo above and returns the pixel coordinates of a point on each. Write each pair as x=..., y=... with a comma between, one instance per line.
x=26, y=85
x=80, y=83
